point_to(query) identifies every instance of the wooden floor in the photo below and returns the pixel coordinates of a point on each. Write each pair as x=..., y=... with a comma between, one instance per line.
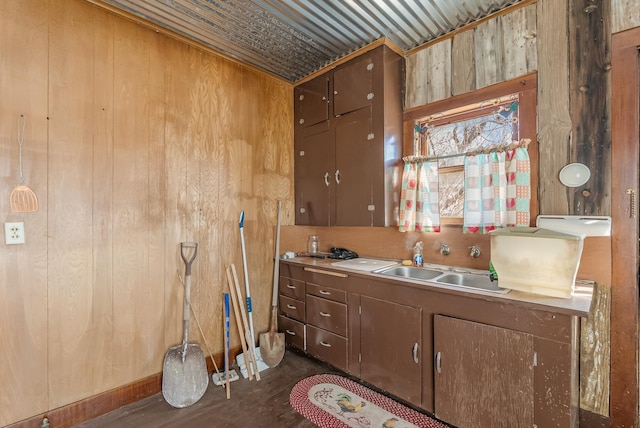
x=263, y=403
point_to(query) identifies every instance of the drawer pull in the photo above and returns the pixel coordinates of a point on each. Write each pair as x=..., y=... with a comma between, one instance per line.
x=291, y=307
x=326, y=293
x=325, y=314
x=325, y=344
x=292, y=333
x=293, y=287
x=325, y=272
x=438, y=362
x=415, y=353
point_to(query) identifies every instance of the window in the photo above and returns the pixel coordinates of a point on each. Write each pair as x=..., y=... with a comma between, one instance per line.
x=490, y=117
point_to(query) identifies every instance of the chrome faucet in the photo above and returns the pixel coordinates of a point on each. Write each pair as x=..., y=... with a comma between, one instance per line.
x=475, y=251
x=445, y=250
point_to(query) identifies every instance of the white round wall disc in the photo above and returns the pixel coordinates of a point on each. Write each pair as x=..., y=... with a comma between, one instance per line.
x=574, y=174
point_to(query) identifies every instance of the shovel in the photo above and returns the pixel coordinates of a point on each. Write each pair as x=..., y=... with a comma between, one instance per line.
x=184, y=376
x=272, y=343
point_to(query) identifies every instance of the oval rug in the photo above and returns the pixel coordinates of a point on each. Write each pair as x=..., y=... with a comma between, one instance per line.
x=332, y=401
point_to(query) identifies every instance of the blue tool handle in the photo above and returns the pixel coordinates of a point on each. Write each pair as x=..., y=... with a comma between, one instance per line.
x=241, y=219
x=226, y=330
x=226, y=315
x=249, y=304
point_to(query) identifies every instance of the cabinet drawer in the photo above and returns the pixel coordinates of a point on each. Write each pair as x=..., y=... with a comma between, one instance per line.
x=292, y=308
x=293, y=288
x=327, y=315
x=293, y=331
x=327, y=346
x=327, y=293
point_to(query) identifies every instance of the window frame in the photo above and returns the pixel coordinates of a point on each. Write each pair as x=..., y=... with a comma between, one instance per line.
x=526, y=89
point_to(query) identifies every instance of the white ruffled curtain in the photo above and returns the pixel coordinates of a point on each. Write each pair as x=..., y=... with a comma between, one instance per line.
x=419, y=210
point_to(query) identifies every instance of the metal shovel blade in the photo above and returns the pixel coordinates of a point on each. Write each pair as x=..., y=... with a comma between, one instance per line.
x=184, y=378
x=272, y=348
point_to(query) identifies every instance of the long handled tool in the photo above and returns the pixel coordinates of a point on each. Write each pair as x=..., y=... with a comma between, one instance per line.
x=236, y=312
x=272, y=342
x=246, y=278
x=226, y=344
x=250, y=345
x=184, y=376
x=204, y=338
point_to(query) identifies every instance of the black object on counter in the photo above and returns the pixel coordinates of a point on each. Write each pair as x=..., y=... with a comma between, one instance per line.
x=342, y=254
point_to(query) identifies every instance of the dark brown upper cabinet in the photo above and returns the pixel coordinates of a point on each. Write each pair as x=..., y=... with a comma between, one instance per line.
x=311, y=102
x=348, y=143
x=353, y=85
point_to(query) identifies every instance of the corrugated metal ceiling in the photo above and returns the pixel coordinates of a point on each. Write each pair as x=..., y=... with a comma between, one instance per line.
x=293, y=38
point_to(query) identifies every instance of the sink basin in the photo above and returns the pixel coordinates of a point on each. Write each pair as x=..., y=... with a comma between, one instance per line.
x=412, y=272
x=445, y=277
x=472, y=281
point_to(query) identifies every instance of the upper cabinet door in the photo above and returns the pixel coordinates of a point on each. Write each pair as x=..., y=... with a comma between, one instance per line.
x=353, y=85
x=312, y=101
x=358, y=174
x=314, y=176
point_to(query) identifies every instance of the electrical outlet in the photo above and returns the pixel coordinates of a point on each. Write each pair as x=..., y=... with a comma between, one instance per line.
x=14, y=233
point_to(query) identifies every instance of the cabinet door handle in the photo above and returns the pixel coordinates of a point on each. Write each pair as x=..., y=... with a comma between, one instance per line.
x=438, y=362
x=325, y=314
x=291, y=286
x=325, y=344
x=326, y=179
x=326, y=293
x=337, y=175
x=291, y=307
x=415, y=353
x=292, y=333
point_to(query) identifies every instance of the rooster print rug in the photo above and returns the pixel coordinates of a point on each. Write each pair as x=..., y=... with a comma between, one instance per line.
x=332, y=401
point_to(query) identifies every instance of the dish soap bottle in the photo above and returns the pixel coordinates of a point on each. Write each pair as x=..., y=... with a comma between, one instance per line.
x=493, y=275
x=418, y=260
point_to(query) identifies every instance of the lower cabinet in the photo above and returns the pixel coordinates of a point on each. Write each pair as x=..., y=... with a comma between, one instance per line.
x=294, y=332
x=391, y=347
x=291, y=320
x=327, y=346
x=472, y=361
x=484, y=375
x=327, y=325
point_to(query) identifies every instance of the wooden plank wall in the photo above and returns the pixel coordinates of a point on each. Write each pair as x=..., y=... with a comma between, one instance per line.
x=23, y=269
x=590, y=104
x=625, y=14
x=496, y=50
x=573, y=97
x=134, y=142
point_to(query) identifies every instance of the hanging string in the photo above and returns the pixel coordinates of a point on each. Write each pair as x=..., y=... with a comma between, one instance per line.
x=21, y=125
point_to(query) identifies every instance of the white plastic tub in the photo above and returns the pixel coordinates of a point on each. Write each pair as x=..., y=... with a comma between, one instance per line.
x=536, y=260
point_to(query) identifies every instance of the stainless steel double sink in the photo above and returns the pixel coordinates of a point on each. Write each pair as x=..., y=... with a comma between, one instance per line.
x=445, y=277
